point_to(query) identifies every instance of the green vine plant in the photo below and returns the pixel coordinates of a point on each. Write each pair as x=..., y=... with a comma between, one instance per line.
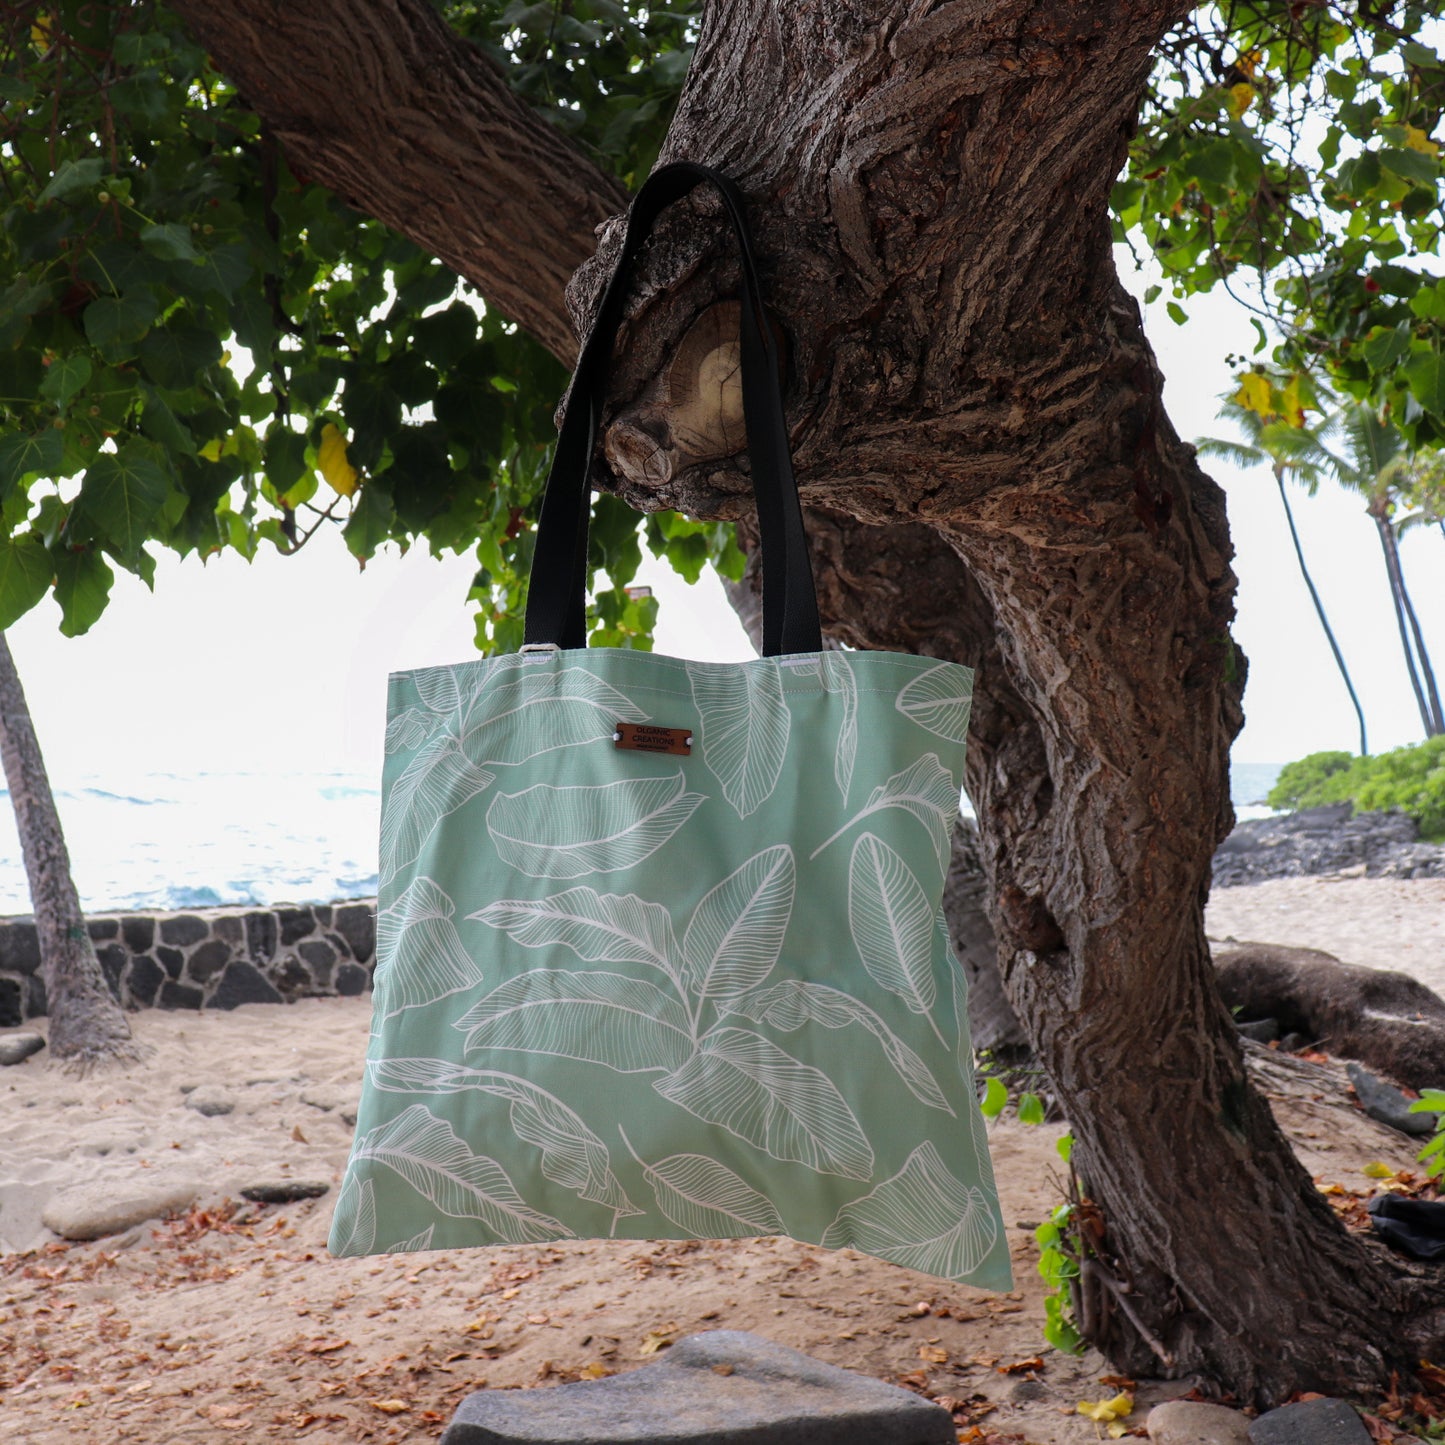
x=1061, y=1242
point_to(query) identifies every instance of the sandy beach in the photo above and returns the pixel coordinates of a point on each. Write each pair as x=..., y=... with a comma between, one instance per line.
x=230, y=1321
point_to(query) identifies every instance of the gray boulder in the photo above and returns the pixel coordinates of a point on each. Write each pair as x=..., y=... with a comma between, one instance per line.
x=725, y=1387
x=101, y=1206
x=1311, y=1422
x=16, y=1048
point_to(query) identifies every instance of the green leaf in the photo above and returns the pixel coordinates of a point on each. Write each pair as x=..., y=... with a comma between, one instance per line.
x=82, y=588
x=1177, y=314
x=120, y=321
x=173, y=356
x=169, y=241
x=23, y=453
x=119, y=498
x=995, y=1096
x=64, y=377
x=372, y=518
x=1425, y=372
x=1411, y=165
x=1386, y=347
x=1031, y=1109
x=73, y=176
x=446, y=336
x=25, y=573
x=224, y=269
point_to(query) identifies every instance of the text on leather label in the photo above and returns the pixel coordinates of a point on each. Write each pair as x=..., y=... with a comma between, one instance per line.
x=644, y=738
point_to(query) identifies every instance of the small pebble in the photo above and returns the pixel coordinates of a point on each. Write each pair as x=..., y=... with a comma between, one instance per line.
x=210, y=1100
x=284, y=1191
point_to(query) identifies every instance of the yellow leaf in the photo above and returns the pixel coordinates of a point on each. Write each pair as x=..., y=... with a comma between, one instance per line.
x=595, y=1371
x=1248, y=63
x=389, y=1407
x=1254, y=394
x=655, y=1340
x=331, y=461
x=1106, y=1410
x=212, y=450
x=40, y=30
x=1376, y=1170
x=1294, y=412
x=1241, y=97
x=1417, y=140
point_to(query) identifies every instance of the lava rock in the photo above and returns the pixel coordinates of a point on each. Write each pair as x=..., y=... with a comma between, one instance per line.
x=1386, y=1103
x=243, y=982
x=351, y=980
x=12, y=1002
x=183, y=930
x=356, y=923
x=208, y=960
x=1188, y=1422
x=284, y=1191
x=16, y=1048
x=1331, y=839
x=179, y=995
x=724, y=1387
x=1310, y=1422
x=103, y=1206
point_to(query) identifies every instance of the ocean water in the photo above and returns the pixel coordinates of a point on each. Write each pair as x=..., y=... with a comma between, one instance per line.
x=196, y=840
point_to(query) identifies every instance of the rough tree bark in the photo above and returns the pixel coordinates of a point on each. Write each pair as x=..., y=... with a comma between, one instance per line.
x=931, y=182
x=87, y=1025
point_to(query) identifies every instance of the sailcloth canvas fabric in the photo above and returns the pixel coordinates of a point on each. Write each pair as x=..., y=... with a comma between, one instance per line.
x=640, y=995
x=660, y=951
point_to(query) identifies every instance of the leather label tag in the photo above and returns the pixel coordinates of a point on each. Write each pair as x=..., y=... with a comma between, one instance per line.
x=644, y=738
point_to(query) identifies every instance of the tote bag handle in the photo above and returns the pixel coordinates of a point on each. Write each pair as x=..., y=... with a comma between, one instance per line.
x=556, y=603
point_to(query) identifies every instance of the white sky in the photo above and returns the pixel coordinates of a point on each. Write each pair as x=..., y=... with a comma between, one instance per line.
x=282, y=665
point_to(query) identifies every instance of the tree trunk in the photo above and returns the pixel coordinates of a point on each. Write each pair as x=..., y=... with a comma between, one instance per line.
x=1411, y=642
x=1299, y=553
x=930, y=188
x=87, y=1025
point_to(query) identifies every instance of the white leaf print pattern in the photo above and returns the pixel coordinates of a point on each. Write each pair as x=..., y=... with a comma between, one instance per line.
x=736, y=932
x=705, y=1199
x=939, y=700
x=419, y=955
x=353, y=1226
x=625, y=1024
x=427, y=1153
x=572, y=1155
x=522, y=714
x=437, y=688
x=410, y=729
x=548, y=832
x=412, y=1245
x=926, y=790
x=790, y=1110
x=891, y=919
x=437, y=781
x=838, y=672
x=744, y=724
x=597, y=927
x=790, y=1004
x=922, y=1218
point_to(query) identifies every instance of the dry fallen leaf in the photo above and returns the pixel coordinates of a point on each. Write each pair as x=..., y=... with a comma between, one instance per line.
x=298, y=1136
x=324, y=1347
x=389, y=1407
x=596, y=1370
x=1034, y=1362
x=655, y=1340
x=934, y=1354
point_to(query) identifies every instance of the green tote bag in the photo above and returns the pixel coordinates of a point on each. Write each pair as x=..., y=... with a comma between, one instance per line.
x=660, y=951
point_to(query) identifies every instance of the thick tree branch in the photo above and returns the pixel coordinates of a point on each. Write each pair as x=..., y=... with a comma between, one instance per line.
x=415, y=126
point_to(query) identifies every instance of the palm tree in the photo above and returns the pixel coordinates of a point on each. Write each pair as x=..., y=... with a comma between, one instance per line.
x=87, y=1025
x=1378, y=464
x=1292, y=452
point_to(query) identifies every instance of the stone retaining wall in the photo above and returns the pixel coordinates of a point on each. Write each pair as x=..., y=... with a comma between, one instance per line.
x=212, y=958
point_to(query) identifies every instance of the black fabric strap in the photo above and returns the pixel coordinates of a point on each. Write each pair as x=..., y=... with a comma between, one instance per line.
x=556, y=602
